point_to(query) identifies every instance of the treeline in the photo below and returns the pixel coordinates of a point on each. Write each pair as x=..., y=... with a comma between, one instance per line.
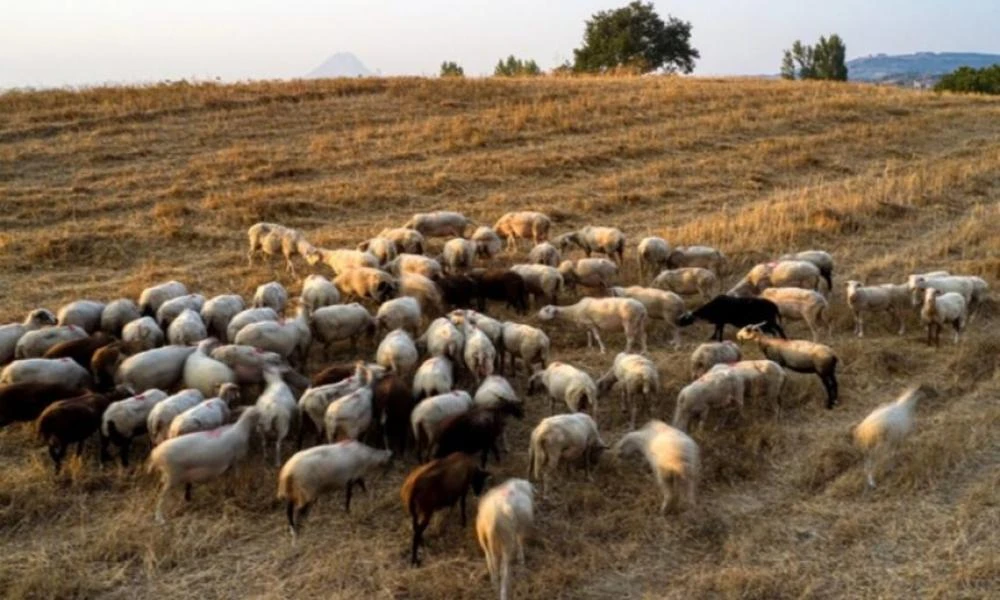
x=967, y=79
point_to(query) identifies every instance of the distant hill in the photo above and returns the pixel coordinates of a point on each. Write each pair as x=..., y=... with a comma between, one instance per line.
x=922, y=67
x=341, y=64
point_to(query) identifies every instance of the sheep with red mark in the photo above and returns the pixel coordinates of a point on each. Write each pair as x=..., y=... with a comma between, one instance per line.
x=161, y=368
x=247, y=317
x=187, y=329
x=207, y=414
x=163, y=413
x=47, y=370
x=125, y=420
x=34, y=344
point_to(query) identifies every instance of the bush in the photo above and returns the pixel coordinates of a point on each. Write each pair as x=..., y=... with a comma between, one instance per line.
x=515, y=67
x=451, y=69
x=967, y=79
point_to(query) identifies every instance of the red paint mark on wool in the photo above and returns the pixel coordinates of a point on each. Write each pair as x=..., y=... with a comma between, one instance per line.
x=214, y=433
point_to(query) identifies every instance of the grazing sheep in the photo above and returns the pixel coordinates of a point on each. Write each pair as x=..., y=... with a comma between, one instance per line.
x=143, y=334
x=563, y=438
x=393, y=401
x=524, y=225
x=351, y=414
x=504, y=519
x=341, y=322
x=290, y=339
x=23, y=402
x=500, y=285
x=479, y=353
x=270, y=238
x=441, y=223
x=271, y=295
x=429, y=416
x=35, y=343
x=397, y=352
x=493, y=391
x=117, y=314
x=636, y=376
x=126, y=420
x=246, y=317
x=608, y=240
x=672, y=455
x=322, y=469
x=85, y=314
x=186, y=329
x=610, y=314
x=688, y=281
x=10, y=334
x=317, y=292
x=528, y=343
x=697, y=256
x=365, y=282
x=153, y=297
x=424, y=290
x=204, y=373
x=219, y=312
x=316, y=399
x=491, y=327
x=343, y=260
x=171, y=309
x=163, y=413
x=887, y=297
x=723, y=310
x=942, y=308
x=566, y=383
x=820, y=258
x=541, y=281
x=460, y=291
x=715, y=389
x=73, y=420
x=881, y=432
x=63, y=371
x=594, y=273
x=247, y=362
x=82, y=350
x=476, y=430
x=381, y=248
x=651, y=252
x=207, y=414
x=545, y=254
x=434, y=377
x=161, y=368
x=442, y=338
x=763, y=381
x=785, y=273
x=797, y=304
x=414, y=263
x=458, y=254
x=399, y=313
x=200, y=457
x=436, y=485
x=488, y=243
x=799, y=356
x=279, y=412
x=972, y=289
x=406, y=240
x=706, y=355
x=660, y=305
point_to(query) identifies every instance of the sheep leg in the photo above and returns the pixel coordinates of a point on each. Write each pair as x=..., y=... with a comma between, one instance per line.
x=870, y=470
x=290, y=513
x=347, y=495
x=418, y=535
x=717, y=336
x=123, y=451
x=159, y=503
x=57, y=452
x=277, y=453
x=859, y=327
x=187, y=492
x=600, y=344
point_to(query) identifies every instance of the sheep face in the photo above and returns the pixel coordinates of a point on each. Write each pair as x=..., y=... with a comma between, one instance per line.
x=548, y=313
x=749, y=333
x=686, y=319
x=313, y=256
x=386, y=290
x=41, y=317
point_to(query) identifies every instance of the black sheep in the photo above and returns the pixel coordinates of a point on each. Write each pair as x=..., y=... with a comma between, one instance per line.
x=476, y=431
x=723, y=310
x=501, y=285
x=22, y=402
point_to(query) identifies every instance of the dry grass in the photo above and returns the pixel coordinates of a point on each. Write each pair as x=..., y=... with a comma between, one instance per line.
x=107, y=190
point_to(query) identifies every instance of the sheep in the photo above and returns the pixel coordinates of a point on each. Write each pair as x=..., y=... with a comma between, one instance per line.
x=430, y=414
x=488, y=243
x=289, y=339
x=399, y=313
x=460, y=291
x=442, y=338
x=688, y=281
x=270, y=295
x=724, y=309
x=972, y=289
x=397, y=352
x=247, y=362
x=23, y=402
x=161, y=368
x=697, y=256
x=566, y=383
x=351, y=414
x=712, y=353
x=207, y=414
x=46, y=370
x=479, y=353
x=882, y=431
x=488, y=325
x=609, y=240
x=105, y=361
x=246, y=317
x=35, y=343
x=11, y=333
x=545, y=254
x=200, y=457
x=563, y=438
x=317, y=292
x=718, y=389
x=526, y=224
x=204, y=373
x=116, y=314
x=500, y=285
x=476, y=430
x=660, y=305
x=317, y=398
x=171, y=309
x=73, y=420
x=85, y=314
x=820, y=258
x=651, y=252
x=528, y=343
x=439, y=484
x=442, y=223
x=635, y=375
x=414, y=263
x=279, y=412
x=887, y=297
x=458, y=254
x=365, y=282
x=785, y=273
x=187, y=328
x=798, y=304
x=393, y=401
x=763, y=381
x=405, y=239
x=82, y=350
x=321, y=469
x=153, y=297
x=381, y=248
x=218, y=312
x=125, y=420
x=424, y=290
x=163, y=413
x=143, y=334
x=594, y=273
x=942, y=308
x=504, y=519
x=270, y=239
x=609, y=314
x=541, y=281
x=435, y=376
x=493, y=391
x=343, y=260
x=340, y=322
x=799, y=356
x=672, y=455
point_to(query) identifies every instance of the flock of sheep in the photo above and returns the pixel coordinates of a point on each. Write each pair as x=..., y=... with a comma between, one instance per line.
x=200, y=377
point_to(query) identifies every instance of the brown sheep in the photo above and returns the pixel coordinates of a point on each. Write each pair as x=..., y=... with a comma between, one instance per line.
x=23, y=402
x=82, y=350
x=74, y=420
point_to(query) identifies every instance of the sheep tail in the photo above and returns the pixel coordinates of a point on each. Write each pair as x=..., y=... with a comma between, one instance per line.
x=531, y=462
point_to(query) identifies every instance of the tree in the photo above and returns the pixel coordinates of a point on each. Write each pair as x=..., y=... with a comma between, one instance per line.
x=967, y=79
x=451, y=69
x=515, y=67
x=825, y=60
x=635, y=37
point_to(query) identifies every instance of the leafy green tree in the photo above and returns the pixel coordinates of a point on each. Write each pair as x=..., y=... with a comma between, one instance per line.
x=635, y=37
x=967, y=79
x=825, y=60
x=451, y=69
x=515, y=67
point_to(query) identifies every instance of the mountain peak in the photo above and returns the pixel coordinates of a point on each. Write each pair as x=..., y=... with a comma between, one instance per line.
x=341, y=64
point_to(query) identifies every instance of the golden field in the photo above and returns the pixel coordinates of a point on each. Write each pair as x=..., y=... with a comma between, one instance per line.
x=105, y=191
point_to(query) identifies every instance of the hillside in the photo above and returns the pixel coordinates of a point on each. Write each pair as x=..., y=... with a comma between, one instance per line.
x=921, y=66
x=106, y=191
x=341, y=64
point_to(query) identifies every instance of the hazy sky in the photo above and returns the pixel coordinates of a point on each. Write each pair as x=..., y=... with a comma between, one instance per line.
x=58, y=42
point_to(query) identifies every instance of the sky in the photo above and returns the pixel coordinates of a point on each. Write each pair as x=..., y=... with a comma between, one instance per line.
x=47, y=43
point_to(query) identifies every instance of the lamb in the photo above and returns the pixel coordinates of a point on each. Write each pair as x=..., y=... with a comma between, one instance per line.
x=501, y=285
x=541, y=281
x=365, y=282
x=660, y=305
x=163, y=413
x=488, y=243
x=206, y=415
x=885, y=428
x=458, y=254
x=317, y=292
x=706, y=355
x=63, y=371
x=11, y=333
x=609, y=240
x=442, y=338
x=563, y=438
x=153, y=297
x=603, y=313
x=414, y=263
x=523, y=225
x=636, y=375
x=430, y=414
x=23, y=402
x=785, y=273
x=204, y=373
x=566, y=383
x=405, y=239
x=440, y=223
x=651, y=252
x=161, y=368
x=887, y=297
x=942, y=308
x=504, y=519
x=435, y=376
x=763, y=381
x=271, y=295
x=673, y=456
x=436, y=485
x=381, y=248
x=143, y=334
x=73, y=420
x=528, y=343
x=723, y=310
x=81, y=350
x=279, y=412
x=322, y=469
x=171, y=309
x=117, y=314
x=343, y=260
x=289, y=339
x=270, y=239
x=34, y=344
x=697, y=256
x=186, y=329
x=688, y=281
x=595, y=273
x=125, y=420
x=200, y=457
x=545, y=254
x=972, y=289
x=799, y=356
x=218, y=312
x=316, y=399
x=424, y=290
x=798, y=304
x=398, y=353
x=246, y=317
x=399, y=313
x=340, y=322
x=719, y=390
x=85, y=314
x=820, y=258
x=479, y=353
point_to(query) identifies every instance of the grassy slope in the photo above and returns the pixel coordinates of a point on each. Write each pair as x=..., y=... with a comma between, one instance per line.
x=106, y=191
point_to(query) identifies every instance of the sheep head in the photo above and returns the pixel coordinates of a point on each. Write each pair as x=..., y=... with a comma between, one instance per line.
x=40, y=317
x=548, y=313
x=750, y=333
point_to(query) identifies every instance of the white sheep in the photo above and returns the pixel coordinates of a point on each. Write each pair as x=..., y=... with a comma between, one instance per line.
x=943, y=308
x=318, y=291
x=271, y=295
x=660, y=305
x=350, y=415
x=153, y=297
x=458, y=254
x=11, y=333
x=161, y=368
x=246, y=317
x=763, y=381
x=200, y=457
x=428, y=416
x=488, y=325
x=972, y=289
x=341, y=322
x=204, y=373
x=398, y=353
x=712, y=353
x=321, y=469
x=887, y=297
x=785, y=273
x=568, y=384
x=504, y=519
x=479, y=353
x=441, y=223
x=610, y=314
x=143, y=334
x=247, y=362
x=270, y=239
x=427, y=293
x=595, y=273
x=688, y=281
x=219, y=311
x=442, y=338
x=705, y=257
x=405, y=239
x=290, y=338
x=525, y=225
x=35, y=343
x=414, y=263
x=187, y=328
x=85, y=314
x=563, y=438
x=822, y=259
x=528, y=343
x=713, y=390
x=800, y=356
x=315, y=400
x=399, y=313
x=279, y=412
x=652, y=253
x=881, y=432
x=163, y=413
x=608, y=240
x=672, y=455
x=541, y=281
x=366, y=282
x=435, y=376
x=545, y=254
x=636, y=376
x=126, y=419
x=381, y=248
x=207, y=414
x=343, y=259
x=56, y=371
x=171, y=309
x=797, y=304
x=488, y=243
x=117, y=314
